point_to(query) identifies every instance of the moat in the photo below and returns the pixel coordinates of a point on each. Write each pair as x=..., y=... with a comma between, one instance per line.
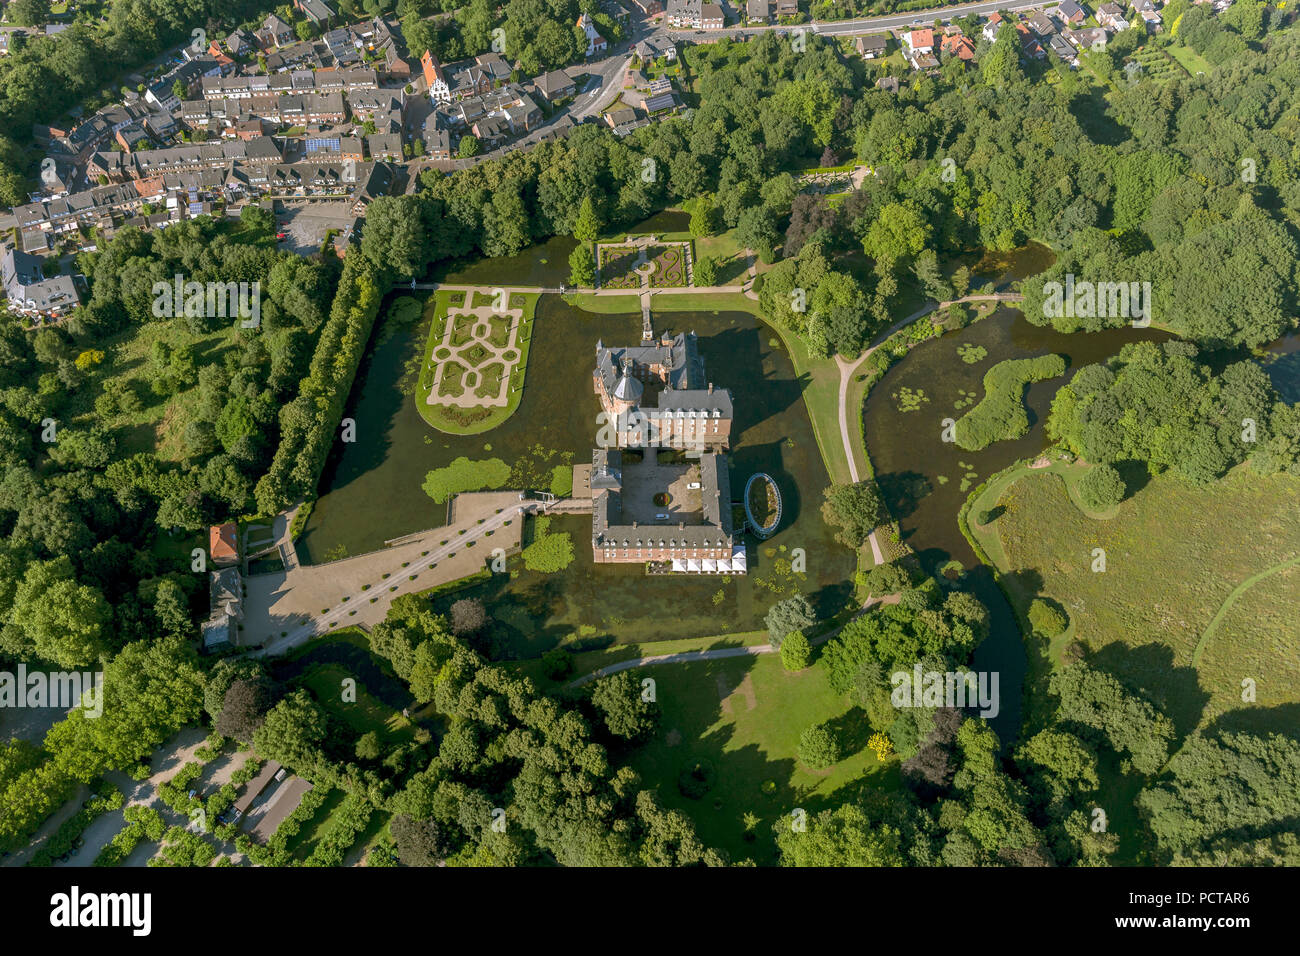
x=371, y=490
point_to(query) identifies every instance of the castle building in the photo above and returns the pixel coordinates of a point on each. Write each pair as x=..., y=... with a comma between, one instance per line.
x=687, y=411
x=671, y=508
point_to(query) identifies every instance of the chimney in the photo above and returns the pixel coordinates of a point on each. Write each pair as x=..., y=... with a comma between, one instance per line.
x=634, y=524
x=710, y=388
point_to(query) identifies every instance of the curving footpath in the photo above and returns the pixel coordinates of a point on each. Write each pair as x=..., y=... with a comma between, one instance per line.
x=848, y=368
x=720, y=653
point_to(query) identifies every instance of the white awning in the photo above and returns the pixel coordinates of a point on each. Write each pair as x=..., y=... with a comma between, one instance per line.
x=724, y=565
x=710, y=566
x=679, y=564
x=738, y=558
x=692, y=564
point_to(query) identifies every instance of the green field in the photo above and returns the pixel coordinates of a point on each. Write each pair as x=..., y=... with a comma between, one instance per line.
x=1174, y=555
x=744, y=716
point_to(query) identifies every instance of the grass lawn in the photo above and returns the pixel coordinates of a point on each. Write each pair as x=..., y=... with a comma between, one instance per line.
x=363, y=715
x=471, y=421
x=728, y=253
x=159, y=424
x=1189, y=59
x=1175, y=556
x=744, y=716
x=604, y=304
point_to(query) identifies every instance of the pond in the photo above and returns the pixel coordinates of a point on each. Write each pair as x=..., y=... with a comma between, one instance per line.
x=926, y=480
x=371, y=489
x=1282, y=362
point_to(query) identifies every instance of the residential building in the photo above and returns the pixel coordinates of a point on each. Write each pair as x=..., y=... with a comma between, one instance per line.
x=1111, y=16
x=1071, y=13
x=653, y=48
x=385, y=146
x=223, y=544
x=1089, y=38
x=662, y=103
x=554, y=86
x=239, y=42
x=1064, y=49
x=32, y=295
x=1042, y=24
x=683, y=13
x=318, y=12
x=787, y=8
x=712, y=16
x=619, y=117
x=226, y=610
x=437, y=141
x=990, y=31
x=274, y=33
x=872, y=47
x=760, y=10
x=958, y=45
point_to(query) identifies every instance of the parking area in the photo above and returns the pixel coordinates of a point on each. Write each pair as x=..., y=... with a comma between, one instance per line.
x=305, y=222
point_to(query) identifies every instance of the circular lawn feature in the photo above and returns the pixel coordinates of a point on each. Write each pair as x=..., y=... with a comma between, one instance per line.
x=663, y=499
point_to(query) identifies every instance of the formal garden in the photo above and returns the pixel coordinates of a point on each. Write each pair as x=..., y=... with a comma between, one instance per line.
x=475, y=359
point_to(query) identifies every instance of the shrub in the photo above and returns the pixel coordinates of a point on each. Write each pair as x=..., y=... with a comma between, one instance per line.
x=1101, y=488
x=1047, y=618
x=796, y=652
x=818, y=747
x=557, y=663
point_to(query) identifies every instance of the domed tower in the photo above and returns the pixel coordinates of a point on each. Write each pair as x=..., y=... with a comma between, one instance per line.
x=627, y=391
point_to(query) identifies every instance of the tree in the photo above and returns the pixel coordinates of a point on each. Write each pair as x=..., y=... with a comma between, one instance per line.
x=785, y=617
x=705, y=271
x=56, y=618
x=469, y=146
x=1101, y=488
x=582, y=267
x=1000, y=66
x=703, y=218
x=1046, y=618
x=419, y=842
x=587, y=226
x=796, y=652
x=624, y=708
x=756, y=230
x=818, y=747
x=845, y=836
x=468, y=616
x=244, y=708
x=367, y=747
x=29, y=13
x=292, y=732
x=853, y=510
x=396, y=239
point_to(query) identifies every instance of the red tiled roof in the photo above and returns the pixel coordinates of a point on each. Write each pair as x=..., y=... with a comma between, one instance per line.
x=223, y=542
